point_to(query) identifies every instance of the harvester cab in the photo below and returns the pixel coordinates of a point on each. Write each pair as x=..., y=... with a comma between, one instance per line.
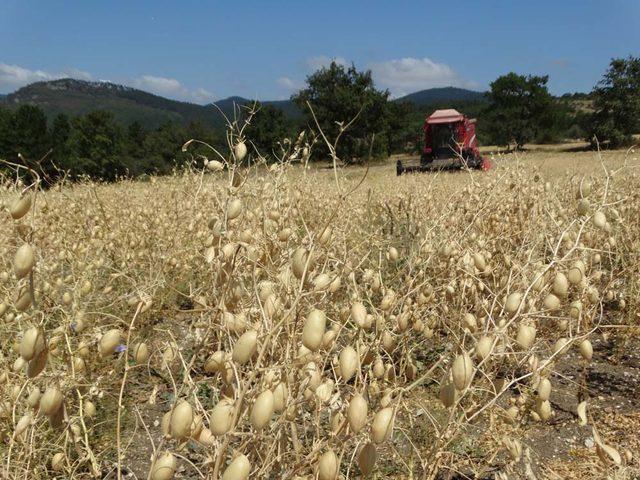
x=449, y=142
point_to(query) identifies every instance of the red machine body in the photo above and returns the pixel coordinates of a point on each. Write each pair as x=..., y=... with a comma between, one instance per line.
x=449, y=142
x=449, y=134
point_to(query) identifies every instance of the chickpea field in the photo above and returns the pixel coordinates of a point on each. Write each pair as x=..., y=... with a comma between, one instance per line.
x=317, y=322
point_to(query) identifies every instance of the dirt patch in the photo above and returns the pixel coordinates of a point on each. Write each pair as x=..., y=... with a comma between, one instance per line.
x=564, y=449
x=559, y=448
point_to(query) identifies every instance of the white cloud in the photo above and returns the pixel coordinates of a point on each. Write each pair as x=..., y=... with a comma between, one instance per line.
x=170, y=87
x=286, y=82
x=316, y=63
x=201, y=95
x=289, y=84
x=160, y=85
x=13, y=77
x=406, y=75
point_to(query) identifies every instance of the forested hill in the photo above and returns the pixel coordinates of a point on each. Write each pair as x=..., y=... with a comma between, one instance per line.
x=433, y=96
x=128, y=105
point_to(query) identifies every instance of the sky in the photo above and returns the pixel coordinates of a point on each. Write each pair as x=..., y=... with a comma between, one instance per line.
x=201, y=51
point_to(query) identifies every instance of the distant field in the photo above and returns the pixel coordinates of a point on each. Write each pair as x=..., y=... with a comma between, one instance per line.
x=550, y=160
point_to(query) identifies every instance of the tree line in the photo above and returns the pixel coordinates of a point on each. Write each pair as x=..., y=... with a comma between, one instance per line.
x=93, y=145
x=517, y=110
x=96, y=146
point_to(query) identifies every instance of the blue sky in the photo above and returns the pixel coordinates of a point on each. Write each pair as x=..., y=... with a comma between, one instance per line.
x=205, y=50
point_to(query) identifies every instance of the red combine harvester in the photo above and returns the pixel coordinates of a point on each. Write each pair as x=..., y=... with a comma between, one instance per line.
x=449, y=142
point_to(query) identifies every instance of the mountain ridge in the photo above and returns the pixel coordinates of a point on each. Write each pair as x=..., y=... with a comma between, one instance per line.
x=431, y=96
x=78, y=97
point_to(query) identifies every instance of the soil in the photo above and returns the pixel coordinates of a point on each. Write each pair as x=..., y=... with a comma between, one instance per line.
x=558, y=449
x=613, y=379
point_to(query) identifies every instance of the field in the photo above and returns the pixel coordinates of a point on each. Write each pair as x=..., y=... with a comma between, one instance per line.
x=292, y=322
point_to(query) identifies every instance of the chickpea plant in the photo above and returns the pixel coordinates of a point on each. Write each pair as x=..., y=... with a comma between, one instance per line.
x=288, y=323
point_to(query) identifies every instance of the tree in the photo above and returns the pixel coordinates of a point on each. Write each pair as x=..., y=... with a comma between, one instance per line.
x=59, y=142
x=136, y=135
x=96, y=142
x=337, y=94
x=60, y=131
x=162, y=149
x=401, y=131
x=5, y=140
x=28, y=133
x=520, y=109
x=617, y=103
x=134, y=148
x=268, y=127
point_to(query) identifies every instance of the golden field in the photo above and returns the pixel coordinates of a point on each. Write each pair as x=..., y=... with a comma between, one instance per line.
x=286, y=322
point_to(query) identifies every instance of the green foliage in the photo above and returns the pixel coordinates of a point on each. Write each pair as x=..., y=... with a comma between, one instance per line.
x=617, y=103
x=60, y=131
x=339, y=94
x=557, y=128
x=162, y=150
x=401, y=131
x=27, y=133
x=5, y=136
x=520, y=109
x=24, y=138
x=59, y=135
x=95, y=145
x=269, y=126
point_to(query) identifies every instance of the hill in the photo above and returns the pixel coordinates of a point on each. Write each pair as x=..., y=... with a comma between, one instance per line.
x=78, y=97
x=287, y=106
x=433, y=96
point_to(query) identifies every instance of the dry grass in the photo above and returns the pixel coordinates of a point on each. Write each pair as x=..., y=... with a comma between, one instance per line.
x=162, y=262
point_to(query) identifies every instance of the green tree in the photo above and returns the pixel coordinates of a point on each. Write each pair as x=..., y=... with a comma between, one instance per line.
x=199, y=131
x=136, y=135
x=162, y=149
x=556, y=127
x=268, y=127
x=28, y=134
x=520, y=109
x=617, y=103
x=97, y=146
x=134, y=148
x=59, y=142
x=401, y=130
x=60, y=131
x=5, y=140
x=337, y=94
